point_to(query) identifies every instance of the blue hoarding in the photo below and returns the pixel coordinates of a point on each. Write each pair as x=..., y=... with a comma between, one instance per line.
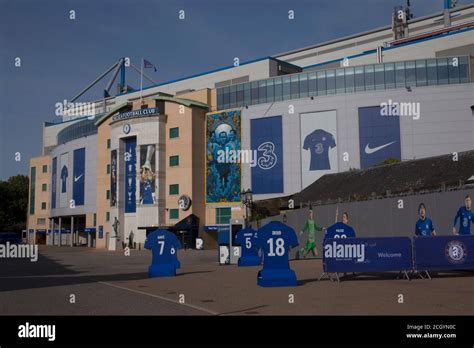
x=367, y=254
x=444, y=253
x=54, y=175
x=379, y=136
x=101, y=232
x=266, y=143
x=130, y=159
x=79, y=176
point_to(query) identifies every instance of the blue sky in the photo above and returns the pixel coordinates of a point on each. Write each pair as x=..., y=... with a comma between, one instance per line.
x=61, y=56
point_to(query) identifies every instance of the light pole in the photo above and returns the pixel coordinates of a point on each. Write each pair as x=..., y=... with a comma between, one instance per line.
x=247, y=200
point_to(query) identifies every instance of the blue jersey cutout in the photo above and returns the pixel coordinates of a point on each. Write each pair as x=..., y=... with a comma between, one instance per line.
x=339, y=230
x=276, y=239
x=247, y=238
x=164, y=246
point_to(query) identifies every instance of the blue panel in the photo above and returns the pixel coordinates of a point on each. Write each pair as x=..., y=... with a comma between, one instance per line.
x=444, y=253
x=379, y=137
x=267, y=143
x=367, y=254
x=54, y=175
x=79, y=176
x=130, y=159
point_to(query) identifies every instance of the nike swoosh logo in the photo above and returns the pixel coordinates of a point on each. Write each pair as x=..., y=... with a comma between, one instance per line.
x=78, y=177
x=369, y=151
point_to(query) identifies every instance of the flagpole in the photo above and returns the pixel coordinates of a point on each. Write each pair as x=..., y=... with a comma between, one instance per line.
x=141, y=81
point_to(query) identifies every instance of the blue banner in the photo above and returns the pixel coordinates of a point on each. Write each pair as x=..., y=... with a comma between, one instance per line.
x=381, y=254
x=101, y=232
x=379, y=136
x=130, y=159
x=79, y=176
x=54, y=175
x=266, y=143
x=444, y=253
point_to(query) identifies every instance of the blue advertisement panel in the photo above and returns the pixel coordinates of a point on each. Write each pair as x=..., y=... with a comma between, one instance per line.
x=79, y=172
x=444, y=253
x=266, y=142
x=130, y=159
x=382, y=254
x=223, y=145
x=54, y=175
x=113, y=178
x=101, y=232
x=379, y=137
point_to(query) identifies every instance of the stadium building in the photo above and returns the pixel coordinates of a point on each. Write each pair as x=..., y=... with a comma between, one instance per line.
x=177, y=155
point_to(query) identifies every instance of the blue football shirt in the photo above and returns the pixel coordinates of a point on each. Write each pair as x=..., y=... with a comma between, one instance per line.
x=465, y=218
x=424, y=227
x=164, y=246
x=318, y=143
x=247, y=238
x=339, y=230
x=276, y=239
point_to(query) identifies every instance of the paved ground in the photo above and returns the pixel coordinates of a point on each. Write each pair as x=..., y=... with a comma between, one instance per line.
x=110, y=283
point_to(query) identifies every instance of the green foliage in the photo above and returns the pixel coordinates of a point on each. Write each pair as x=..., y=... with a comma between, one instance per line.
x=388, y=161
x=13, y=203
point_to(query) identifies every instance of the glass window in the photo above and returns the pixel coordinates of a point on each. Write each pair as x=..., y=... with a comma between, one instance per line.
x=174, y=132
x=107, y=194
x=443, y=76
x=400, y=75
x=463, y=69
x=331, y=81
x=233, y=96
x=174, y=189
x=421, y=73
x=174, y=214
x=174, y=161
x=359, y=79
x=270, y=91
x=321, y=77
x=240, y=95
x=286, y=88
x=349, y=76
x=44, y=187
x=432, y=72
x=410, y=73
x=223, y=215
x=43, y=205
x=379, y=76
x=369, y=77
x=295, y=88
x=95, y=219
x=312, y=86
x=453, y=70
x=303, y=85
x=390, y=75
x=40, y=221
x=262, y=92
x=220, y=98
x=32, y=190
x=107, y=216
x=340, y=81
x=108, y=143
x=247, y=99
x=108, y=168
x=254, y=94
x=226, y=97
x=45, y=168
x=278, y=89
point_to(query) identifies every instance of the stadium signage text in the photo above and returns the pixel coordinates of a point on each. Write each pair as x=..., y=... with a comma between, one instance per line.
x=345, y=251
x=135, y=114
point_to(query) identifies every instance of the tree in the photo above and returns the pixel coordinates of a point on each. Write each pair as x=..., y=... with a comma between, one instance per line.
x=13, y=203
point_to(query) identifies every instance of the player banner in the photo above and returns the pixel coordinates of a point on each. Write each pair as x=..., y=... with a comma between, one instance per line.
x=54, y=175
x=444, y=253
x=382, y=254
x=130, y=172
x=318, y=145
x=79, y=160
x=223, y=169
x=113, y=178
x=147, y=174
x=64, y=174
x=266, y=142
